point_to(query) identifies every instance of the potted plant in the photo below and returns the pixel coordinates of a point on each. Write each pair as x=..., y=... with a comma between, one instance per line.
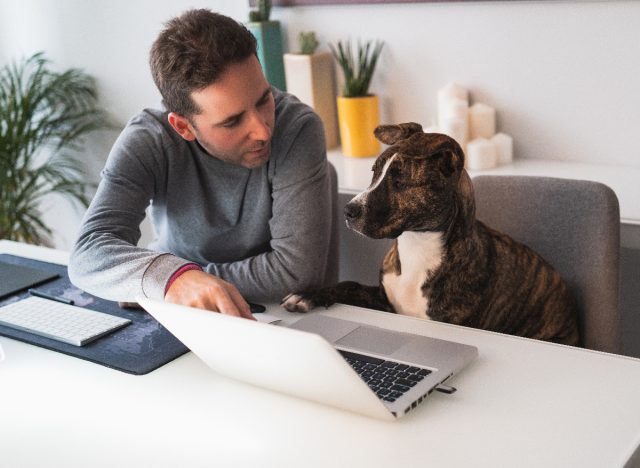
x=43, y=115
x=269, y=38
x=358, y=111
x=311, y=77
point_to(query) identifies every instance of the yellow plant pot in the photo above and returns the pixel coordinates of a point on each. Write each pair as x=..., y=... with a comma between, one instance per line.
x=358, y=117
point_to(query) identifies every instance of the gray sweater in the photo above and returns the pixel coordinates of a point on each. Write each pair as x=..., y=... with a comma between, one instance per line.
x=266, y=230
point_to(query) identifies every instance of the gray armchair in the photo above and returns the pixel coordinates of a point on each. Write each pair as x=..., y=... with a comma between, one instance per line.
x=575, y=226
x=333, y=262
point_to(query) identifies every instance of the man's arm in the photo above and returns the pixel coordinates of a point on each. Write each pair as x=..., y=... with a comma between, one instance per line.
x=300, y=225
x=105, y=260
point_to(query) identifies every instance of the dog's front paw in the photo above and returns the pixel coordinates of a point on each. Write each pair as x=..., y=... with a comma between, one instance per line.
x=298, y=302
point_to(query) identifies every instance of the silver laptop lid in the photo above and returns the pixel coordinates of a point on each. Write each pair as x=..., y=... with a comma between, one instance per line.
x=289, y=361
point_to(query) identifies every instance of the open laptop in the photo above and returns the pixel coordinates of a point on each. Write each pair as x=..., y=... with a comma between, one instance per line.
x=316, y=358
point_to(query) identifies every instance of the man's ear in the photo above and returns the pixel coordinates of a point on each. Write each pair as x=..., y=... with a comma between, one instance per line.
x=182, y=126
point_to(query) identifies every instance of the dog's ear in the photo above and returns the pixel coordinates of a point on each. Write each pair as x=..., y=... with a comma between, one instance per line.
x=390, y=134
x=449, y=161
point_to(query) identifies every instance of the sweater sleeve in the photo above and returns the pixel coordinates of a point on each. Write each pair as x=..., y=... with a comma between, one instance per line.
x=300, y=224
x=105, y=260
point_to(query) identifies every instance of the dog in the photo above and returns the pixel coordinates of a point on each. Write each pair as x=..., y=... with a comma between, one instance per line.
x=444, y=264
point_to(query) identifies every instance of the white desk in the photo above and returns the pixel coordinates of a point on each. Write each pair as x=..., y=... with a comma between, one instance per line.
x=522, y=403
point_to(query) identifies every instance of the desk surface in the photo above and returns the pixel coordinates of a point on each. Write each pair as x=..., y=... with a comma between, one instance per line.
x=522, y=403
x=354, y=175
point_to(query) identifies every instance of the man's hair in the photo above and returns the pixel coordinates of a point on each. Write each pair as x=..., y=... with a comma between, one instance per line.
x=192, y=52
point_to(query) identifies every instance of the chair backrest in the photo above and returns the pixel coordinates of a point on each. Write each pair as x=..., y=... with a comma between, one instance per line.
x=575, y=226
x=333, y=262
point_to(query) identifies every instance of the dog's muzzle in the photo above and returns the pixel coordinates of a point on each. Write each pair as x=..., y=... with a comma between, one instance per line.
x=353, y=214
x=352, y=211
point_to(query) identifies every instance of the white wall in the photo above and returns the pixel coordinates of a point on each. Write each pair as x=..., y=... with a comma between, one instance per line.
x=564, y=76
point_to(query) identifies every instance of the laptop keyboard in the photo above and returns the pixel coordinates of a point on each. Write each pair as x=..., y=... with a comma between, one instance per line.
x=388, y=379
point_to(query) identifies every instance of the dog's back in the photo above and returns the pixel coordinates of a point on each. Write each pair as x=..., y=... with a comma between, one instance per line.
x=503, y=286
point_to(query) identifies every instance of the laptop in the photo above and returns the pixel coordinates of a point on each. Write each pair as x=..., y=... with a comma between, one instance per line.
x=319, y=358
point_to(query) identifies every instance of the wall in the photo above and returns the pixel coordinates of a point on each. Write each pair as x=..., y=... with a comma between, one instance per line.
x=563, y=75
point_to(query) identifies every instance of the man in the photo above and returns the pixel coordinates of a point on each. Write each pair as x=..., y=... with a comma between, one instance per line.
x=236, y=175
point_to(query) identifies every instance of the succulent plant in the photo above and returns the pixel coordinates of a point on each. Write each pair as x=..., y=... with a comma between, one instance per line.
x=262, y=12
x=308, y=42
x=358, y=70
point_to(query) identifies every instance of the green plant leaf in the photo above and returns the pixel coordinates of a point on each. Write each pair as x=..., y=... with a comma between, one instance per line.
x=44, y=116
x=357, y=69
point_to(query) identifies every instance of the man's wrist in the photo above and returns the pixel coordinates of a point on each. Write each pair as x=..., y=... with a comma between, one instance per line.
x=179, y=271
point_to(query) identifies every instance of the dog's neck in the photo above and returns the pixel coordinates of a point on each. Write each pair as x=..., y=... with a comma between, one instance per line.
x=463, y=222
x=419, y=254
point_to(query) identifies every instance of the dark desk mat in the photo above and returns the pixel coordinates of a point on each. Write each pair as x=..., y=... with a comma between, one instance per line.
x=139, y=348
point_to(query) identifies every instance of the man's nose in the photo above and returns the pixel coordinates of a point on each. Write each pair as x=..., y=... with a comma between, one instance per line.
x=259, y=129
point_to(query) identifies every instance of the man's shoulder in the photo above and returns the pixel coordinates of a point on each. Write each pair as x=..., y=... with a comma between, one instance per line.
x=289, y=108
x=151, y=119
x=150, y=126
x=292, y=116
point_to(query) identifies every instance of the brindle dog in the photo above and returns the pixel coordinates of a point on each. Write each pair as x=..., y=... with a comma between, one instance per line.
x=444, y=264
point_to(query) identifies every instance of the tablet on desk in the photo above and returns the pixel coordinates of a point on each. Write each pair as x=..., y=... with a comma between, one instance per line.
x=16, y=278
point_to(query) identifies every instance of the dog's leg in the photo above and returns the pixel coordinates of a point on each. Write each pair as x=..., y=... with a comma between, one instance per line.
x=347, y=292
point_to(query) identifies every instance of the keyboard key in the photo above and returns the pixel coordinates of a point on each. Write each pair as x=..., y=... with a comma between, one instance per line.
x=405, y=382
x=413, y=369
x=400, y=388
x=415, y=377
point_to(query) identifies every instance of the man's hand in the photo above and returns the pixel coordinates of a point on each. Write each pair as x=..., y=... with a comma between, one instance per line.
x=197, y=288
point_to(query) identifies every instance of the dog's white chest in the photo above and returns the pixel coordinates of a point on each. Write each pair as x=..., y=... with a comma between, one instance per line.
x=420, y=253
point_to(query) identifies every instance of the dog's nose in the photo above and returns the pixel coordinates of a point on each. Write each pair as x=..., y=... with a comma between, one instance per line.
x=352, y=211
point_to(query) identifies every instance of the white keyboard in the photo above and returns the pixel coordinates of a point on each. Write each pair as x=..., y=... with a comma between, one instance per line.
x=62, y=322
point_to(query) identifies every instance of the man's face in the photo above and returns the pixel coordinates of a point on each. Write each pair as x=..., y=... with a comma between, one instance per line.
x=237, y=116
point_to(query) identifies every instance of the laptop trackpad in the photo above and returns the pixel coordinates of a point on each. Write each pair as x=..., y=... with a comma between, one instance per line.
x=373, y=340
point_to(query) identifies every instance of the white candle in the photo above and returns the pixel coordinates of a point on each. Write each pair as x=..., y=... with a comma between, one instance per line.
x=451, y=100
x=433, y=128
x=456, y=128
x=452, y=91
x=453, y=108
x=482, y=121
x=504, y=147
x=455, y=112
x=481, y=154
